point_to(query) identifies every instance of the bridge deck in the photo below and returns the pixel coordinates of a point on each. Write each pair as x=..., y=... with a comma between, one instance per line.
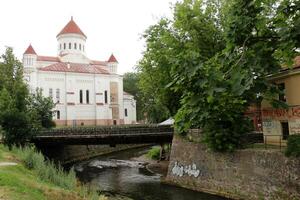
x=106, y=135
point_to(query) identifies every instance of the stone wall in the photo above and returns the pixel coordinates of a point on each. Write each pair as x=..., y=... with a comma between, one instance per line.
x=245, y=174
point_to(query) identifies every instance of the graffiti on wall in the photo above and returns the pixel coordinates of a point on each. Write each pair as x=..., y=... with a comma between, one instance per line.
x=190, y=170
x=293, y=112
x=294, y=128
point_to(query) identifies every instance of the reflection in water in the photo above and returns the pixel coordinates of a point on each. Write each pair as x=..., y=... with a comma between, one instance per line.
x=133, y=180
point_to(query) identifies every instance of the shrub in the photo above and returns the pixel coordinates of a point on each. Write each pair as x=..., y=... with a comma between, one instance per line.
x=154, y=153
x=293, y=146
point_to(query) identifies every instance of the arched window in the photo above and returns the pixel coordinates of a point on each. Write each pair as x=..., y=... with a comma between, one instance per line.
x=75, y=46
x=87, y=97
x=83, y=47
x=80, y=97
x=58, y=114
x=57, y=95
x=105, y=96
x=70, y=45
x=64, y=45
x=79, y=46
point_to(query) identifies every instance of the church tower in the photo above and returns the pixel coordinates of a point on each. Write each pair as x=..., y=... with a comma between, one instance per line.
x=29, y=57
x=112, y=64
x=71, y=43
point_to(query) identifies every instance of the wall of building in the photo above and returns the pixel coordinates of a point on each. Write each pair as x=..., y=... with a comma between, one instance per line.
x=272, y=118
x=130, y=106
x=246, y=174
x=94, y=112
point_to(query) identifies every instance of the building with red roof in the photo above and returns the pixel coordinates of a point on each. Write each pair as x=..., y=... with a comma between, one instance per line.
x=86, y=92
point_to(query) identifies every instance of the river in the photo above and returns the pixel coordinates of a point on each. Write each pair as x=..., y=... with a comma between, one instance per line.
x=117, y=174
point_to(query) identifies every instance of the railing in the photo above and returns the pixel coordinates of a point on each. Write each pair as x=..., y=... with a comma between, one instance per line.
x=122, y=129
x=276, y=140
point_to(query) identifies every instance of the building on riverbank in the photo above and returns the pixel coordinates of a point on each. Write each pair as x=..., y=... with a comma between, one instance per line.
x=86, y=92
x=278, y=124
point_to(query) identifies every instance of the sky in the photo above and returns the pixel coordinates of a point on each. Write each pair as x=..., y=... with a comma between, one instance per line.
x=111, y=26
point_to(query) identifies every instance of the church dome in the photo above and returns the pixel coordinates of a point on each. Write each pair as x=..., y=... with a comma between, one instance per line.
x=71, y=27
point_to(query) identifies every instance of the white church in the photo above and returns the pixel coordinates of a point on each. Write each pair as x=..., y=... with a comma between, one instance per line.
x=86, y=92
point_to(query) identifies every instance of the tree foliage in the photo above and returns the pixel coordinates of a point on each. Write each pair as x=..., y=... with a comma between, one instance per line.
x=20, y=113
x=216, y=55
x=130, y=85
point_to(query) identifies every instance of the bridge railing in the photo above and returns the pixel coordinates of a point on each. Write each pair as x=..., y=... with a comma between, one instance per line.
x=123, y=129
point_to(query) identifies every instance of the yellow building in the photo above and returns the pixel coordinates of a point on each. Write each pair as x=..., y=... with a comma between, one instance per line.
x=278, y=124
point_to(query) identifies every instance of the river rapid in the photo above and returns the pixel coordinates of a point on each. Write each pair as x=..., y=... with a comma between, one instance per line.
x=118, y=175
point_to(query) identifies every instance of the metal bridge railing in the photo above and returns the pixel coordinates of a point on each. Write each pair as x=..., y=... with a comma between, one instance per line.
x=108, y=130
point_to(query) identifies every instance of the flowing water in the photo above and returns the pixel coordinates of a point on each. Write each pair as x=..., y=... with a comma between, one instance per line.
x=117, y=174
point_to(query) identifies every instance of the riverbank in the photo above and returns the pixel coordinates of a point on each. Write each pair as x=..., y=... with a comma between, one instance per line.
x=154, y=166
x=244, y=174
x=18, y=182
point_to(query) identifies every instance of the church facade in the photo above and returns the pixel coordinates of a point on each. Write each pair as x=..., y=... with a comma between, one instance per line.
x=85, y=91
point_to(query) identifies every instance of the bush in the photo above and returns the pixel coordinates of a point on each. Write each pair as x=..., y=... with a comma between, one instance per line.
x=293, y=146
x=154, y=153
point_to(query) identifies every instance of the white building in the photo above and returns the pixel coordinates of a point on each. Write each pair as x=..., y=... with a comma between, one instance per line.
x=86, y=92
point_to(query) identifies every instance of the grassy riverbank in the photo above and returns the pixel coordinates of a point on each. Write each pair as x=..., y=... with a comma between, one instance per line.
x=17, y=181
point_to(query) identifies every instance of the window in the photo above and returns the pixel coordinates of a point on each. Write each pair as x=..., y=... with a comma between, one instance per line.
x=59, y=46
x=126, y=114
x=83, y=47
x=105, y=96
x=282, y=96
x=64, y=45
x=51, y=93
x=87, y=97
x=285, y=130
x=57, y=95
x=80, y=96
x=70, y=45
x=75, y=46
x=79, y=46
x=58, y=114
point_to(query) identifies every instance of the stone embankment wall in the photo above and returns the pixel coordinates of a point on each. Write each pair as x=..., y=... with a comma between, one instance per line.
x=245, y=174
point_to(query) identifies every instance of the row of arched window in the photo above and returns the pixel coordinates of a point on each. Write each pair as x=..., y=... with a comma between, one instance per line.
x=71, y=46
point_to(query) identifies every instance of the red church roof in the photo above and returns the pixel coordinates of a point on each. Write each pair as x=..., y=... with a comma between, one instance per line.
x=76, y=68
x=48, y=58
x=30, y=50
x=112, y=58
x=71, y=27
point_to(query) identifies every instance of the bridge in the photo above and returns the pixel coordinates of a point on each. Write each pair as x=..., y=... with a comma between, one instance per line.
x=112, y=135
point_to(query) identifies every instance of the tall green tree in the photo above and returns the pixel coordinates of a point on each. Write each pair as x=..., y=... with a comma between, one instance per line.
x=216, y=55
x=21, y=114
x=130, y=85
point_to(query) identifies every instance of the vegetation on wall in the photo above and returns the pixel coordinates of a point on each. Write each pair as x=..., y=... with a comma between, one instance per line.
x=21, y=114
x=208, y=62
x=293, y=146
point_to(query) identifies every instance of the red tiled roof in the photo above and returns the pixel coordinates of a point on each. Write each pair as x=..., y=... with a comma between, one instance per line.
x=97, y=62
x=71, y=27
x=112, y=58
x=75, y=67
x=48, y=58
x=30, y=50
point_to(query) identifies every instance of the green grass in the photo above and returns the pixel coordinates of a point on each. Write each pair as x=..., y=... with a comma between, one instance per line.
x=154, y=153
x=33, y=178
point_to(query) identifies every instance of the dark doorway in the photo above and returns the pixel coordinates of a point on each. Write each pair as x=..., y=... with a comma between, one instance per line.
x=285, y=130
x=115, y=122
